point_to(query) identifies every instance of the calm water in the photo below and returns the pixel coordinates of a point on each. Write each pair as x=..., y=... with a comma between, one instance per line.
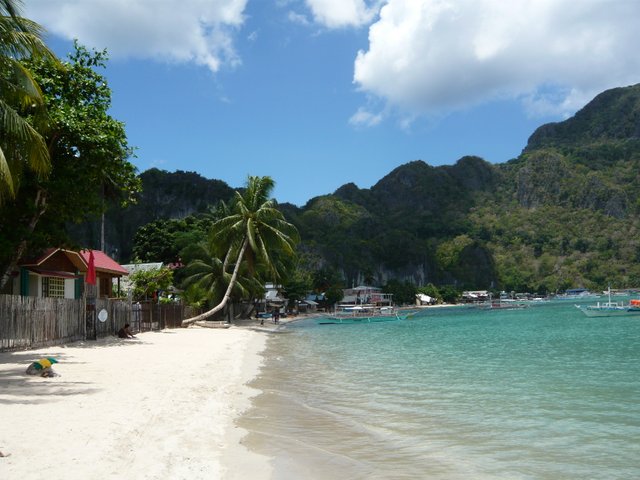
x=538, y=393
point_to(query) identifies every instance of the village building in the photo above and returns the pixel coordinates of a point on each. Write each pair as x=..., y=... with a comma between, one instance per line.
x=476, y=296
x=362, y=295
x=307, y=306
x=273, y=299
x=424, y=299
x=61, y=273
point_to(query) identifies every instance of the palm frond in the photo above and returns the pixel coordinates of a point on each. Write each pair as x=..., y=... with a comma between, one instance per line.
x=257, y=236
x=18, y=86
x=21, y=142
x=6, y=179
x=15, y=126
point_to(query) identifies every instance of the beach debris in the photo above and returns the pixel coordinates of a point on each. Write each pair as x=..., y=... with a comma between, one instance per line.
x=42, y=367
x=212, y=324
x=2, y=455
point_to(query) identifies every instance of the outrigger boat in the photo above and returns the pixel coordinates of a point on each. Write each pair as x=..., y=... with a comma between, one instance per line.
x=348, y=315
x=611, y=309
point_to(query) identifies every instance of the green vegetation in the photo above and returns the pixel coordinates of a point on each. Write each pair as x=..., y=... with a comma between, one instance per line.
x=88, y=154
x=23, y=116
x=147, y=282
x=163, y=240
x=404, y=293
x=254, y=236
x=328, y=282
x=563, y=214
x=296, y=286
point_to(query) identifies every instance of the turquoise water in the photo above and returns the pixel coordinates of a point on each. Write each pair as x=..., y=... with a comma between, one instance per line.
x=455, y=393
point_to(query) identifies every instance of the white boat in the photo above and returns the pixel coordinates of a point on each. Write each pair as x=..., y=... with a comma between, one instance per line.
x=503, y=304
x=611, y=309
x=347, y=314
x=577, y=294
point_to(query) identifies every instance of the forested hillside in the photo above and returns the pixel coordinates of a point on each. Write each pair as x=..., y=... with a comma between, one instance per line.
x=563, y=214
x=164, y=196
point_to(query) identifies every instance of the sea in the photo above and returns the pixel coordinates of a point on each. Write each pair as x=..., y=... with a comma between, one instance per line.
x=452, y=393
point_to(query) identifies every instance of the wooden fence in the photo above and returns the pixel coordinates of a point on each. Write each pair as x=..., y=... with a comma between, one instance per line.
x=33, y=322
x=105, y=317
x=148, y=315
x=30, y=322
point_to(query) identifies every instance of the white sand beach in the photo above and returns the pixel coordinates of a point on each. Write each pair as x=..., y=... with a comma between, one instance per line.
x=161, y=406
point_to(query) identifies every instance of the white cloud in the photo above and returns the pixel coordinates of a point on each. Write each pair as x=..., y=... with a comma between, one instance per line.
x=198, y=31
x=343, y=13
x=365, y=118
x=435, y=56
x=298, y=18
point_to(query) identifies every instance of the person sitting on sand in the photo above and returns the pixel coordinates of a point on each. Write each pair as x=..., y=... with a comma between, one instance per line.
x=125, y=332
x=42, y=367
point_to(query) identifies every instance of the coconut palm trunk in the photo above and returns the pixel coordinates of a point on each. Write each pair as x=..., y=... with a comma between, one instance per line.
x=188, y=321
x=260, y=228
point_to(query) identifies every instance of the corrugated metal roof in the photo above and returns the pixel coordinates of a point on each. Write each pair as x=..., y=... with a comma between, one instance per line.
x=137, y=267
x=51, y=273
x=103, y=262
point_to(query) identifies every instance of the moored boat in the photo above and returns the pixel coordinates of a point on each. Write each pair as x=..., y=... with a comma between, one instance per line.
x=348, y=315
x=611, y=309
x=502, y=305
x=577, y=294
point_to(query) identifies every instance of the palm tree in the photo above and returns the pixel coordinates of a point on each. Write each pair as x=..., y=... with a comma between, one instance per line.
x=20, y=96
x=205, y=274
x=254, y=234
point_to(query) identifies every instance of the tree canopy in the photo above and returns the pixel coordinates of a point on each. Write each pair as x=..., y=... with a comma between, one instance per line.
x=23, y=116
x=89, y=157
x=254, y=235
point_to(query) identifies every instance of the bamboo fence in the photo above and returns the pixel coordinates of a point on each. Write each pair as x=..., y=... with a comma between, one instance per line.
x=31, y=322
x=34, y=322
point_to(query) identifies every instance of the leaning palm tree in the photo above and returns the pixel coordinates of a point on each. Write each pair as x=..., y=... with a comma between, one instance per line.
x=251, y=234
x=20, y=97
x=205, y=274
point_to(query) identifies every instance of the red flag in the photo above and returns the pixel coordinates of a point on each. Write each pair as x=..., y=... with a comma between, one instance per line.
x=91, y=272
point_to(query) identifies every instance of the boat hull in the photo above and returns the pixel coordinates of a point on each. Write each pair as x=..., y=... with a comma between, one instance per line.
x=594, y=311
x=337, y=320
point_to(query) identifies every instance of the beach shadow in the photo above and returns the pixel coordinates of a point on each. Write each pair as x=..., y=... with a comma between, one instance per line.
x=27, y=356
x=105, y=342
x=21, y=389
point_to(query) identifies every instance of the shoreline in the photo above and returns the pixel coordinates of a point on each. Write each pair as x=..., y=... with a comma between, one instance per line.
x=160, y=406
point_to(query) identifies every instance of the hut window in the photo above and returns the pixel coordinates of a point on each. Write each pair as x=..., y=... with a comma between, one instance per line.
x=53, y=287
x=105, y=287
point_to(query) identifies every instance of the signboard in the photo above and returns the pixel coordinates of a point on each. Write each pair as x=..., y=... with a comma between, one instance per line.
x=103, y=315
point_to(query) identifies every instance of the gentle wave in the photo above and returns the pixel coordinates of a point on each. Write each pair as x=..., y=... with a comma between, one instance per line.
x=541, y=393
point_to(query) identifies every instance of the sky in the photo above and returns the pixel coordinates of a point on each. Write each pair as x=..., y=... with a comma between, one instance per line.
x=320, y=93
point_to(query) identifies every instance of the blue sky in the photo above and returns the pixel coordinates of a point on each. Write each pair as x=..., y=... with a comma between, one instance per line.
x=319, y=93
